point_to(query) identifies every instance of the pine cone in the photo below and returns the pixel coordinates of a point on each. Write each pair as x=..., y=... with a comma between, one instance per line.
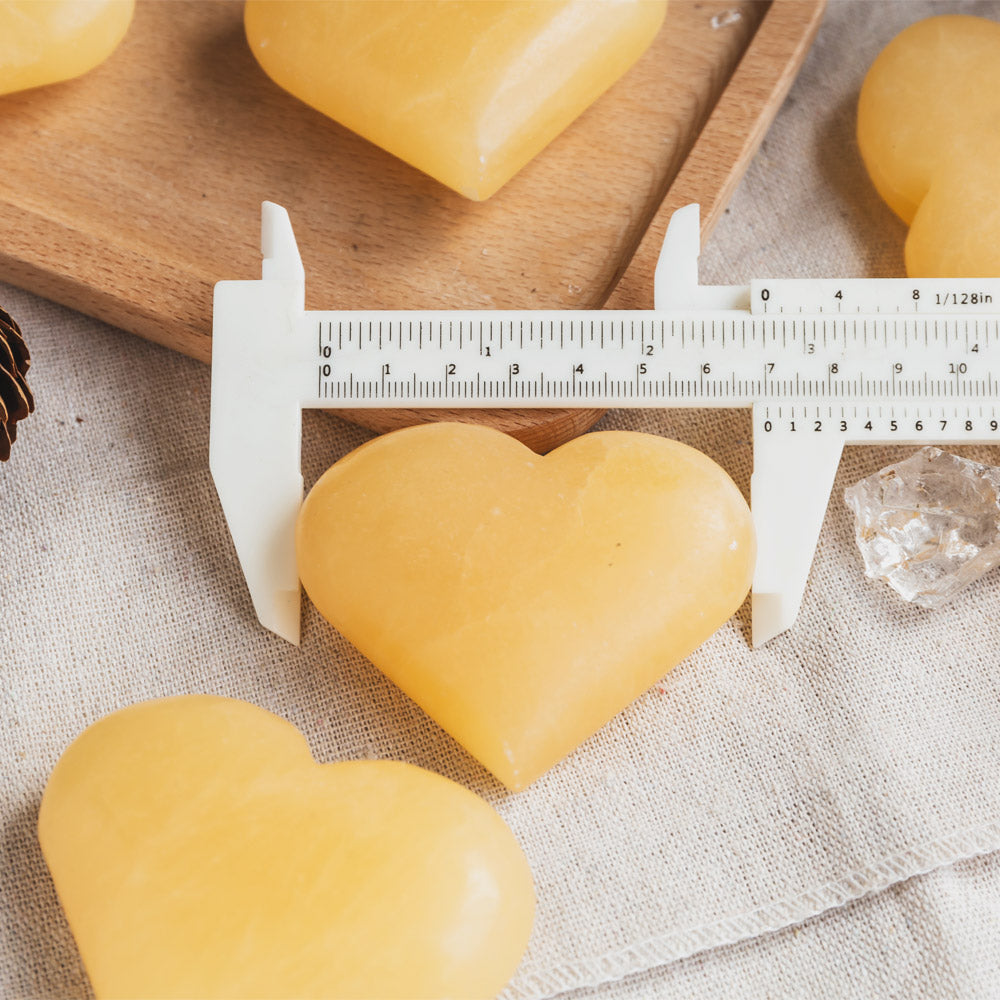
x=16, y=401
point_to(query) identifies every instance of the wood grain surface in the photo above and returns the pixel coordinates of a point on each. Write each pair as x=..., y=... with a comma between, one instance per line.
x=127, y=193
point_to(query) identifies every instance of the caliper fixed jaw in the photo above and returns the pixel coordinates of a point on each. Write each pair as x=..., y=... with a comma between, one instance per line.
x=256, y=423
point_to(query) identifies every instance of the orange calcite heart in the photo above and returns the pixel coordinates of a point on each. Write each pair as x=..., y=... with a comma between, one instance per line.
x=521, y=600
x=199, y=851
x=929, y=133
x=45, y=41
x=466, y=92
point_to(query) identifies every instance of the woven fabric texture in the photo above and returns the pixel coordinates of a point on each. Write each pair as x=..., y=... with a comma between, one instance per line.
x=758, y=824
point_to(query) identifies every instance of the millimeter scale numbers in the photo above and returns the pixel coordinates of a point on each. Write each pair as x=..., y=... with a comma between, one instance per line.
x=821, y=363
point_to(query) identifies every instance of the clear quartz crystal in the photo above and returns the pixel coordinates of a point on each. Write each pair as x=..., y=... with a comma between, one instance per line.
x=929, y=525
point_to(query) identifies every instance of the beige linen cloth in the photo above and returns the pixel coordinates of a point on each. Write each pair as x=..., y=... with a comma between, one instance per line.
x=811, y=819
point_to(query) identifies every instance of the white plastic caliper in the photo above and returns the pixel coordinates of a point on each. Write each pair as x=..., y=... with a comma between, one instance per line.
x=822, y=363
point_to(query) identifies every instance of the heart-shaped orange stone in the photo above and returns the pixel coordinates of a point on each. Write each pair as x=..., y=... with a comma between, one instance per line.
x=200, y=852
x=44, y=43
x=466, y=92
x=521, y=600
x=929, y=134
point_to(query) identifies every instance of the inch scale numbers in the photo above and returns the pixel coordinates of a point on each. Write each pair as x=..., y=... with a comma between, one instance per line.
x=649, y=359
x=821, y=363
x=874, y=296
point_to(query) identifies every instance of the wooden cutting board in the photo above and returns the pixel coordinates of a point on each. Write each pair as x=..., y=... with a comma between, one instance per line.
x=127, y=193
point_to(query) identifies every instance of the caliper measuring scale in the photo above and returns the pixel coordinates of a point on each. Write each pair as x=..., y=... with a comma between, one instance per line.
x=821, y=363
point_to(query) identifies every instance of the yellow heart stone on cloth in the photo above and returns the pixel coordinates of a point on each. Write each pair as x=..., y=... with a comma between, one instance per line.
x=200, y=852
x=521, y=600
x=929, y=134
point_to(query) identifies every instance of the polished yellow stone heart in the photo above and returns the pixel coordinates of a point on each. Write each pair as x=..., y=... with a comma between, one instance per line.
x=200, y=852
x=466, y=92
x=929, y=133
x=521, y=600
x=46, y=41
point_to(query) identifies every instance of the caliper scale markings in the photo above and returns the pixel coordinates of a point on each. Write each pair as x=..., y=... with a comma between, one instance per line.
x=650, y=359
